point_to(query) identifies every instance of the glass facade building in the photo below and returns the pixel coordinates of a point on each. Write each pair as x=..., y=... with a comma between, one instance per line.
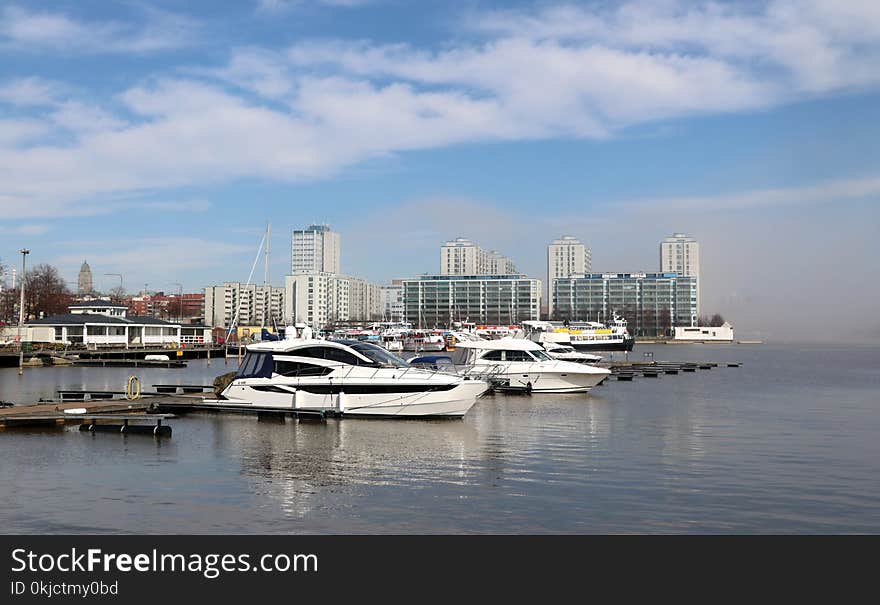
x=438, y=300
x=652, y=303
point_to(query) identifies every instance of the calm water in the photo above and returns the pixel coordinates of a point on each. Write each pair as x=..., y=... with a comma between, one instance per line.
x=788, y=443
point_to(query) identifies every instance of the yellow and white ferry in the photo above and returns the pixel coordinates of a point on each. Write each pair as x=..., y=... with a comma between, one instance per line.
x=583, y=336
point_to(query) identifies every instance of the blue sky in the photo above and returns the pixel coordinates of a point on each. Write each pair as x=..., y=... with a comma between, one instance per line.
x=156, y=139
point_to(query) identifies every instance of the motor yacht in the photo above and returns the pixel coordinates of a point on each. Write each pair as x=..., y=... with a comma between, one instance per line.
x=525, y=364
x=569, y=353
x=352, y=378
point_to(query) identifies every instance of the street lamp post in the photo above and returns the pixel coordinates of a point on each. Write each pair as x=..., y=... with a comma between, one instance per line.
x=121, y=283
x=24, y=253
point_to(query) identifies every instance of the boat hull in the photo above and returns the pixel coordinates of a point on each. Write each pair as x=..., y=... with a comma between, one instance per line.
x=561, y=377
x=625, y=344
x=453, y=402
x=554, y=383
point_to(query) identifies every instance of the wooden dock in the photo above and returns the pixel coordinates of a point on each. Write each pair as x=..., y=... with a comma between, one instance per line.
x=116, y=415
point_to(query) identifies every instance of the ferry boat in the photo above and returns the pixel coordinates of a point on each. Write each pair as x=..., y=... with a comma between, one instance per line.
x=352, y=378
x=583, y=336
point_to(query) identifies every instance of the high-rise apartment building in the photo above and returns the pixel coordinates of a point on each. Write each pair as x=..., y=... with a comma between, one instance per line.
x=246, y=305
x=315, y=248
x=322, y=299
x=566, y=256
x=461, y=256
x=681, y=254
x=498, y=264
x=392, y=301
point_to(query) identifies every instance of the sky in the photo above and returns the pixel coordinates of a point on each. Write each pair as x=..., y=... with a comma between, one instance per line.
x=156, y=139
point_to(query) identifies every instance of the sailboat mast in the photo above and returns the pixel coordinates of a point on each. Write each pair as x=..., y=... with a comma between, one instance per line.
x=267, y=295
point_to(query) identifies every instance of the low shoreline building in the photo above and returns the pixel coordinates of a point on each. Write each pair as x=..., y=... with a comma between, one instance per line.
x=722, y=333
x=431, y=301
x=654, y=304
x=101, y=323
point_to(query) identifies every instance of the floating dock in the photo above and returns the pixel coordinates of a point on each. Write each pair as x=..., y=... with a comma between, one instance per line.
x=118, y=416
x=627, y=370
x=109, y=411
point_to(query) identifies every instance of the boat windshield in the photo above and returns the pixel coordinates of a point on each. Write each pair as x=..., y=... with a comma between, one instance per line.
x=379, y=355
x=256, y=365
x=541, y=356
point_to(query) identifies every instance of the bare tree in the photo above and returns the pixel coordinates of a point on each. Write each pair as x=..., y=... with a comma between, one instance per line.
x=45, y=291
x=118, y=295
x=716, y=321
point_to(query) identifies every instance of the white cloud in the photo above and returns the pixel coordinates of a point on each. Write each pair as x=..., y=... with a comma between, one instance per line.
x=278, y=6
x=17, y=132
x=818, y=44
x=31, y=91
x=83, y=118
x=319, y=107
x=36, y=31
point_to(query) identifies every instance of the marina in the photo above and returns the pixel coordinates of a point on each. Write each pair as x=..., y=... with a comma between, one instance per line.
x=709, y=451
x=335, y=402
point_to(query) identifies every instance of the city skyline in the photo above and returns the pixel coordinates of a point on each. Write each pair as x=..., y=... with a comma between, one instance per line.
x=157, y=140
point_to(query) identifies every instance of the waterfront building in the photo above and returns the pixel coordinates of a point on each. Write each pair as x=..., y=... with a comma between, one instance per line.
x=566, y=256
x=438, y=300
x=722, y=333
x=321, y=299
x=681, y=254
x=653, y=304
x=461, y=256
x=315, y=249
x=84, y=282
x=102, y=323
x=244, y=304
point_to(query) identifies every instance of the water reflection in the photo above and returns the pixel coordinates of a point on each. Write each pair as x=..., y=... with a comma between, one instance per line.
x=757, y=448
x=289, y=462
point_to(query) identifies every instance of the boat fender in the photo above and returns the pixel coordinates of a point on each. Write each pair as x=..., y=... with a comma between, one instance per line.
x=340, y=402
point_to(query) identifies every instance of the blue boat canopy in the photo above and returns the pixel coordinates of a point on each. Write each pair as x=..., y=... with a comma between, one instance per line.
x=432, y=360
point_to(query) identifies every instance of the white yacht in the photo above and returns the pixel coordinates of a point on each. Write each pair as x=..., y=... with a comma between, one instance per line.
x=569, y=353
x=347, y=377
x=525, y=364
